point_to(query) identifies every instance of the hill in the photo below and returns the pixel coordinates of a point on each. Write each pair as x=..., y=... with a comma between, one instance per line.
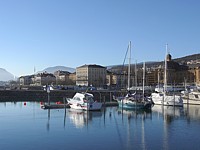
x=56, y=68
x=181, y=60
x=5, y=75
x=189, y=58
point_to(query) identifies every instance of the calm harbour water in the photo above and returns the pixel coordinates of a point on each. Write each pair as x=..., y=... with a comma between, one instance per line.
x=28, y=127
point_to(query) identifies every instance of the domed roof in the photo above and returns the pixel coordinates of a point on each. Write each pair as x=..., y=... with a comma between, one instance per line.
x=168, y=57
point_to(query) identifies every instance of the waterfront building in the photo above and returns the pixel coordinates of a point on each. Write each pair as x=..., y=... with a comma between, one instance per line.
x=88, y=75
x=194, y=73
x=117, y=79
x=44, y=79
x=178, y=74
x=72, y=78
x=26, y=80
x=62, y=77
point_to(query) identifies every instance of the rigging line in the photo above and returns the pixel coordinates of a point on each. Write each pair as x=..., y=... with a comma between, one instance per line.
x=124, y=62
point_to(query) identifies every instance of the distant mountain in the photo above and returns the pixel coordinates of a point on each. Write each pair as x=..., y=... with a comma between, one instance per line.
x=5, y=75
x=185, y=59
x=56, y=68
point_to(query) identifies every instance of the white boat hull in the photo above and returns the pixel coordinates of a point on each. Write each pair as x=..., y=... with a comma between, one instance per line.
x=167, y=100
x=85, y=106
x=192, y=98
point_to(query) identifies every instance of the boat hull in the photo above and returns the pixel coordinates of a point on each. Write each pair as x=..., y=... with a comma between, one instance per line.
x=134, y=105
x=192, y=98
x=84, y=101
x=91, y=107
x=167, y=100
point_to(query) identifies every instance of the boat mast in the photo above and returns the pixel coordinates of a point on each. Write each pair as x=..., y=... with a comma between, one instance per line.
x=143, y=79
x=129, y=66
x=165, y=71
x=136, y=74
x=158, y=80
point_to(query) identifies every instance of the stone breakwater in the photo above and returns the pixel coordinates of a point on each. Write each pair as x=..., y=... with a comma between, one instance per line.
x=42, y=96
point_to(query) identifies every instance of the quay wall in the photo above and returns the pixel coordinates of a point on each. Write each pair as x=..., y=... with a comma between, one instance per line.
x=54, y=96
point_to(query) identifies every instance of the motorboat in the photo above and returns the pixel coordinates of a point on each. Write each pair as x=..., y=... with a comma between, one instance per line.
x=167, y=100
x=191, y=97
x=84, y=101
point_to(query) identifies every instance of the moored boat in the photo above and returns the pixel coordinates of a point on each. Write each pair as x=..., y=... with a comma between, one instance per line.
x=192, y=97
x=133, y=101
x=84, y=101
x=164, y=98
x=167, y=100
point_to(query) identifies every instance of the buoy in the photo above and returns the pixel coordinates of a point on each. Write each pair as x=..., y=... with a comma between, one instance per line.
x=24, y=103
x=58, y=102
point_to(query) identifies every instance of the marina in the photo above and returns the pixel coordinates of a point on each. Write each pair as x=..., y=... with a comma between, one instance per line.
x=28, y=126
x=99, y=75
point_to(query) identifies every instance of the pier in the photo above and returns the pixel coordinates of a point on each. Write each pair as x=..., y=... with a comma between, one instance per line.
x=55, y=95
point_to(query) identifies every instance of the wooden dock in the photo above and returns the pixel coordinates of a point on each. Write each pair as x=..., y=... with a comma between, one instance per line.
x=61, y=106
x=55, y=106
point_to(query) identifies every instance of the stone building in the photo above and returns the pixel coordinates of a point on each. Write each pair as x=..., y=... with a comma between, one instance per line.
x=62, y=77
x=88, y=75
x=72, y=78
x=176, y=73
x=44, y=79
x=26, y=80
x=193, y=75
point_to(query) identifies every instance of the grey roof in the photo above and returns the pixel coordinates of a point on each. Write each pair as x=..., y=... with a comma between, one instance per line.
x=193, y=65
x=91, y=66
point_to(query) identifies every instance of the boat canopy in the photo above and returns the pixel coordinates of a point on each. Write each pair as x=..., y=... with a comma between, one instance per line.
x=82, y=96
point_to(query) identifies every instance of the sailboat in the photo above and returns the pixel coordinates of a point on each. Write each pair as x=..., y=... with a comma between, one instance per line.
x=161, y=98
x=133, y=101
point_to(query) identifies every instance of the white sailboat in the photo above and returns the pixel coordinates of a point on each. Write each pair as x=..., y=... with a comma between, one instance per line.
x=162, y=98
x=133, y=101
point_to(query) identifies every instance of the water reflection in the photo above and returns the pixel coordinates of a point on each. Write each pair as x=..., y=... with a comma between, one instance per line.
x=135, y=121
x=169, y=113
x=159, y=128
x=81, y=118
x=48, y=120
x=136, y=114
x=192, y=112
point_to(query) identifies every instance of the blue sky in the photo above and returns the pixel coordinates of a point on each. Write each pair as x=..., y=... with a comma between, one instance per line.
x=46, y=33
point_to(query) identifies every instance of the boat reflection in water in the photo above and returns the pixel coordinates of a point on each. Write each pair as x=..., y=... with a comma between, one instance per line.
x=168, y=114
x=80, y=118
x=192, y=112
x=135, y=121
x=137, y=113
x=168, y=111
x=159, y=128
x=172, y=116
